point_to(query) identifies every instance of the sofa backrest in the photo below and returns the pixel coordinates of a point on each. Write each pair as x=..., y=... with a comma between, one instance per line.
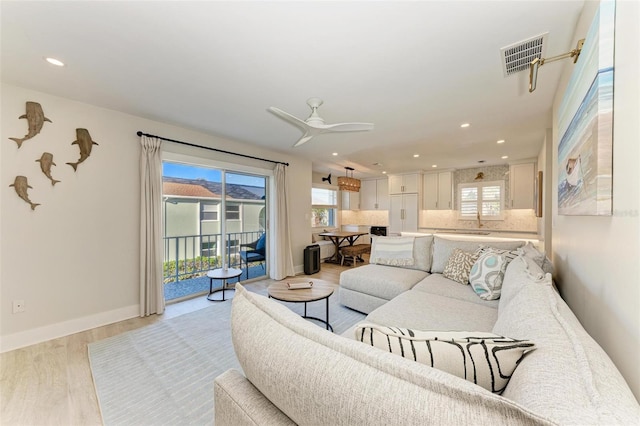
x=316, y=377
x=443, y=247
x=568, y=377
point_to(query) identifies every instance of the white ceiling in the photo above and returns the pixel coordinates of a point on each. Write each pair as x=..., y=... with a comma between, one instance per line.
x=415, y=69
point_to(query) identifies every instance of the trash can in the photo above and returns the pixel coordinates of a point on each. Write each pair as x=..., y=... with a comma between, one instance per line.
x=312, y=259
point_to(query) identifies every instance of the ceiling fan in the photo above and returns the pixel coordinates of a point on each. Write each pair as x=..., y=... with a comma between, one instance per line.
x=314, y=125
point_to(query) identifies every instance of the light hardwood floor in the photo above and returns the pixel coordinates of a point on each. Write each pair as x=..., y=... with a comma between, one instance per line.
x=51, y=383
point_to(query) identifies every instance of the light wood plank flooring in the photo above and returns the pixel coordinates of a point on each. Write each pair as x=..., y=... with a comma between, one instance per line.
x=51, y=383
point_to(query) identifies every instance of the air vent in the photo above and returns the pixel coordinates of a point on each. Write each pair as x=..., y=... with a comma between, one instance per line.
x=518, y=56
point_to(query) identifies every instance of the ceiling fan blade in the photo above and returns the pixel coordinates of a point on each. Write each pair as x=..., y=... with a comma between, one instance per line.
x=307, y=136
x=290, y=118
x=348, y=127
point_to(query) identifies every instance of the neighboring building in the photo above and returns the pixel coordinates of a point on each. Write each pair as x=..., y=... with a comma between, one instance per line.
x=192, y=217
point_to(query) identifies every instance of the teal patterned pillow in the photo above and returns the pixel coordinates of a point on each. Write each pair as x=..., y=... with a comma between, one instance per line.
x=487, y=274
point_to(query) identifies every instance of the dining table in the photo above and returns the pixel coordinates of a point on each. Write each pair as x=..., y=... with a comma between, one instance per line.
x=338, y=237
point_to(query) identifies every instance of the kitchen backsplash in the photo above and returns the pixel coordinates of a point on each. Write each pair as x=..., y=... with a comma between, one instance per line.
x=514, y=220
x=365, y=217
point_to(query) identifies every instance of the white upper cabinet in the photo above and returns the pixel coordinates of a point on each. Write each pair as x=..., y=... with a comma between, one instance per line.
x=405, y=184
x=521, y=186
x=374, y=194
x=438, y=191
x=350, y=200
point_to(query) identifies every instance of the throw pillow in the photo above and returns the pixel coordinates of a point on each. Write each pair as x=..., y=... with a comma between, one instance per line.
x=485, y=359
x=459, y=265
x=509, y=254
x=421, y=251
x=530, y=251
x=487, y=274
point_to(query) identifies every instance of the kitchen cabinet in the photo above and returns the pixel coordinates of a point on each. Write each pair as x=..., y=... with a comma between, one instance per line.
x=405, y=184
x=374, y=194
x=521, y=186
x=438, y=191
x=350, y=200
x=403, y=213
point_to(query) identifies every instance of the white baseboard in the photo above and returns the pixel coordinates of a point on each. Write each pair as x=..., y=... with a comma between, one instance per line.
x=65, y=328
x=298, y=269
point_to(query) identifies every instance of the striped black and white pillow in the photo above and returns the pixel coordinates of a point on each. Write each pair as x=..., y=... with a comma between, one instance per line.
x=485, y=359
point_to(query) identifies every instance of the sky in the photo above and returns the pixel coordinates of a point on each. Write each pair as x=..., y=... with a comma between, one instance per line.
x=194, y=172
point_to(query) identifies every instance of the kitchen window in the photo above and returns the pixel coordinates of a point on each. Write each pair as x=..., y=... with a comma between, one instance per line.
x=481, y=200
x=324, y=207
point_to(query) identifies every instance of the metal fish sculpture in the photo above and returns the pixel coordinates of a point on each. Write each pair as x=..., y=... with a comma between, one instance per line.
x=21, y=185
x=35, y=118
x=46, y=161
x=84, y=142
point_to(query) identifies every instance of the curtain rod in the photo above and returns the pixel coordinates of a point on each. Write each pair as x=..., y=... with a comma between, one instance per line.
x=209, y=148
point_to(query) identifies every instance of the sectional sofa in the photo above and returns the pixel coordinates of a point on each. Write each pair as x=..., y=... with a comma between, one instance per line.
x=295, y=372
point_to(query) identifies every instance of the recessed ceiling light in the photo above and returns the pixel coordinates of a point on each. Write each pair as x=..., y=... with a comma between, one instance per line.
x=500, y=141
x=504, y=157
x=465, y=125
x=434, y=165
x=334, y=154
x=54, y=61
x=416, y=155
x=384, y=173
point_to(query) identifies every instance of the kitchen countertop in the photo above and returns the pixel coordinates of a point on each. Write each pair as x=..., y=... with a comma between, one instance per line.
x=480, y=233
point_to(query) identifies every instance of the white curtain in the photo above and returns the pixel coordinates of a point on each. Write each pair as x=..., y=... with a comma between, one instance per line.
x=151, y=286
x=282, y=264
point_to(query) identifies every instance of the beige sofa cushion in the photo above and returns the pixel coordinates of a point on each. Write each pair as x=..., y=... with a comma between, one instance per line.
x=442, y=249
x=316, y=377
x=385, y=282
x=438, y=284
x=424, y=311
x=568, y=376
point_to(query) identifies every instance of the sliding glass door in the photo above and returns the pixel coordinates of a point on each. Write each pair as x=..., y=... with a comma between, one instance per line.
x=211, y=218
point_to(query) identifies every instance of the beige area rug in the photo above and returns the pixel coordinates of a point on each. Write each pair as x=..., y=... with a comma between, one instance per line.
x=162, y=374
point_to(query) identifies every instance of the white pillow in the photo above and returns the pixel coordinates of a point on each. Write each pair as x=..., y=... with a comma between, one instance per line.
x=487, y=274
x=539, y=257
x=485, y=359
x=421, y=252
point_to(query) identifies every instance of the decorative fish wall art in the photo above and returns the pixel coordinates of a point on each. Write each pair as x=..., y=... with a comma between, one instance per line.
x=84, y=142
x=22, y=186
x=46, y=161
x=35, y=119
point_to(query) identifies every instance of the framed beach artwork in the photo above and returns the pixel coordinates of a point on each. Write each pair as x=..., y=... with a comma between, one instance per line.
x=585, y=124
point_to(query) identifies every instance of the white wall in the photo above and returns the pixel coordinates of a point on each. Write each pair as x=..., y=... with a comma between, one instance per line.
x=74, y=260
x=597, y=258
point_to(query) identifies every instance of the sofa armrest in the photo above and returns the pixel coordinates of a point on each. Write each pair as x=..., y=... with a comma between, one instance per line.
x=238, y=402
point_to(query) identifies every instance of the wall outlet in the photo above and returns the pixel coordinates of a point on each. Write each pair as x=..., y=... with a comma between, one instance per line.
x=18, y=306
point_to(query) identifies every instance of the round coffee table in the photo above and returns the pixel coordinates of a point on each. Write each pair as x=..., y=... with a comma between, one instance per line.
x=320, y=290
x=224, y=275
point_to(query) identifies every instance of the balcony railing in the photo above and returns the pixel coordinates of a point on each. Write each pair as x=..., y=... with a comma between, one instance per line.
x=190, y=256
